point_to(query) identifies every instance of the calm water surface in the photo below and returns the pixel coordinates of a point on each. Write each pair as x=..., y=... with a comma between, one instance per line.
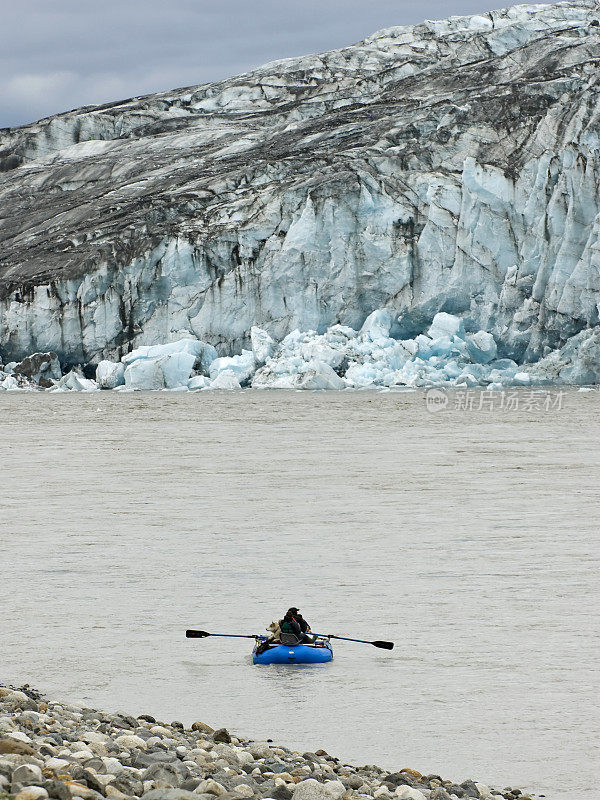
x=468, y=538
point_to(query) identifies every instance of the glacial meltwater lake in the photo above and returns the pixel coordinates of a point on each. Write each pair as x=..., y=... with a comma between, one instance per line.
x=470, y=537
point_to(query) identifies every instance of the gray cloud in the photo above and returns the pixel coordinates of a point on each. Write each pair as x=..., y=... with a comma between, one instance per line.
x=59, y=55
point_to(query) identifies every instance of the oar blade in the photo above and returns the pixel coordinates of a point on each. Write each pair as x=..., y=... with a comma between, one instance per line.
x=384, y=645
x=196, y=634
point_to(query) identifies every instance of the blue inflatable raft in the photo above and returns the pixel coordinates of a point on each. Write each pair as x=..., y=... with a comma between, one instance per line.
x=319, y=653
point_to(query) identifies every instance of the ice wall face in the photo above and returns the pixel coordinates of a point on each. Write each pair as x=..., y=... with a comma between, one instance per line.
x=452, y=166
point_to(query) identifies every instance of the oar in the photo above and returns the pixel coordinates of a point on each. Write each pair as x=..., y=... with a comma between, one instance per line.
x=383, y=645
x=202, y=634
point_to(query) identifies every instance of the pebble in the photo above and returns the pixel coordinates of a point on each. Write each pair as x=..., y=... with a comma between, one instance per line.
x=27, y=774
x=32, y=793
x=63, y=751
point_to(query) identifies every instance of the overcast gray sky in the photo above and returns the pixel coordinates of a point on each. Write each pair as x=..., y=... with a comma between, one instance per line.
x=56, y=55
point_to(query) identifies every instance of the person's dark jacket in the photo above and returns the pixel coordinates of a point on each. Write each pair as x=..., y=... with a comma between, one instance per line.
x=290, y=625
x=304, y=626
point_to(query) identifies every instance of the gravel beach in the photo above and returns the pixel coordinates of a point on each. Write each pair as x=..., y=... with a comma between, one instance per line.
x=63, y=750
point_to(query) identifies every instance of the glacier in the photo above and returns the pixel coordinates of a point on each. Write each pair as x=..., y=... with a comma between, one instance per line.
x=341, y=358
x=445, y=174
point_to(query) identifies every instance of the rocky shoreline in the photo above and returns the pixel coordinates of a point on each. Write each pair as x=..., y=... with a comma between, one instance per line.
x=63, y=751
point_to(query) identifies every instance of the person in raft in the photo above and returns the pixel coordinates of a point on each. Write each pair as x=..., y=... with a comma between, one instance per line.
x=293, y=623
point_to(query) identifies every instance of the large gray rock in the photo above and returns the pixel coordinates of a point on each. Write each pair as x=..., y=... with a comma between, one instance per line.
x=399, y=779
x=57, y=789
x=281, y=793
x=140, y=759
x=313, y=790
x=439, y=793
x=222, y=735
x=470, y=789
x=27, y=775
x=449, y=166
x=173, y=774
x=9, y=745
x=40, y=368
x=353, y=782
x=170, y=794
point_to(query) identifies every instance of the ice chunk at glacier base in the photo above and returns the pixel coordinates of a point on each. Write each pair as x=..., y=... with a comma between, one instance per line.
x=279, y=373
x=242, y=366
x=502, y=370
x=318, y=375
x=204, y=353
x=177, y=369
x=466, y=380
x=418, y=374
x=263, y=345
x=226, y=379
x=378, y=324
x=291, y=343
x=268, y=379
x=410, y=347
x=167, y=372
x=339, y=335
x=442, y=346
x=295, y=373
x=446, y=325
x=110, y=374
x=368, y=374
x=577, y=361
x=8, y=383
x=451, y=370
x=198, y=382
x=319, y=350
x=75, y=382
x=423, y=344
x=481, y=347
x=478, y=371
x=144, y=373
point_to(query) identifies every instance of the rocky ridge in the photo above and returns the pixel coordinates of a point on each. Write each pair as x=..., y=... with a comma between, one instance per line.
x=451, y=166
x=64, y=751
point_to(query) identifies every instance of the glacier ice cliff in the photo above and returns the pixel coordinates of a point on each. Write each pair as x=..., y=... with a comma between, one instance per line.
x=452, y=166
